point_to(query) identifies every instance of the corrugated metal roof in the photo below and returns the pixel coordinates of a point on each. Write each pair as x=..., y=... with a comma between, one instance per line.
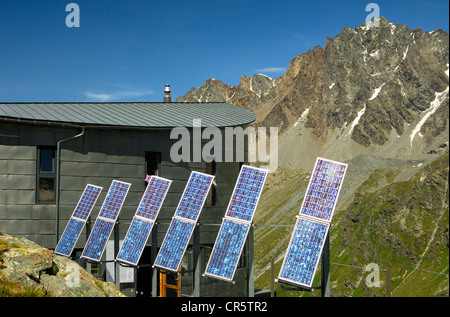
x=130, y=114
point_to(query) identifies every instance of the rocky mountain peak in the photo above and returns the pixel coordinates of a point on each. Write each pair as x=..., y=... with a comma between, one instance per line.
x=375, y=89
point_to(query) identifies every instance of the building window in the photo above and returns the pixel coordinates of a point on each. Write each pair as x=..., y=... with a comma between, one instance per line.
x=46, y=174
x=153, y=163
x=211, y=170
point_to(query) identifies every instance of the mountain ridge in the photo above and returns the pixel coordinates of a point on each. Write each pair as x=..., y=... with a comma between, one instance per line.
x=366, y=88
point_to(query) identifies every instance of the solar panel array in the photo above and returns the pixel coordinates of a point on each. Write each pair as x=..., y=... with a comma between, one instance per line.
x=183, y=223
x=311, y=229
x=235, y=226
x=78, y=219
x=143, y=220
x=95, y=246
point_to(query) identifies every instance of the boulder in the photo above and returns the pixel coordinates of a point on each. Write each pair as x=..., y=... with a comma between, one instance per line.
x=28, y=266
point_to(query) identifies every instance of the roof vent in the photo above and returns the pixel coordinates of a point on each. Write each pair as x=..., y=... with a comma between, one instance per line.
x=167, y=96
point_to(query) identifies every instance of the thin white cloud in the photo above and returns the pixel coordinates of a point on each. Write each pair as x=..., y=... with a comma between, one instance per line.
x=119, y=95
x=272, y=70
x=100, y=97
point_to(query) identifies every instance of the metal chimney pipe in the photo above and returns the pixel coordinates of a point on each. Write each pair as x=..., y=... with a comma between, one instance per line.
x=167, y=96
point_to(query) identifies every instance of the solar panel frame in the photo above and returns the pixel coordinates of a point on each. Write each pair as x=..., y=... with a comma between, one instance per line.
x=187, y=218
x=105, y=217
x=327, y=179
x=134, y=242
x=232, y=237
x=148, y=201
x=240, y=192
x=91, y=192
x=183, y=208
x=222, y=264
x=153, y=197
x=79, y=214
x=323, y=190
x=70, y=236
x=169, y=258
x=111, y=205
x=98, y=238
x=302, y=269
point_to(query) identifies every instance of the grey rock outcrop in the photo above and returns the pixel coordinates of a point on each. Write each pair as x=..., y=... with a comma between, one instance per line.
x=27, y=265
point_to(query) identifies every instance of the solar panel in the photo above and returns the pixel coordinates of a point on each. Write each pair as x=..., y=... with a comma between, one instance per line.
x=246, y=194
x=183, y=223
x=233, y=232
x=153, y=197
x=95, y=246
x=114, y=199
x=174, y=244
x=307, y=240
x=98, y=238
x=194, y=196
x=142, y=223
x=304, y=251
x=70, y=236
x=87, y=201
x=78, y=219
x=227, y=250
x=323, y=189
x=135, y=241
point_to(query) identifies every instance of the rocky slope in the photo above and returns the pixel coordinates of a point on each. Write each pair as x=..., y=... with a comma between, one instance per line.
x=26, y=269
x=375, y=91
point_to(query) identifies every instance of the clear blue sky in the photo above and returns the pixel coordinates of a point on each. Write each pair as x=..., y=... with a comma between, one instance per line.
x=128, y=50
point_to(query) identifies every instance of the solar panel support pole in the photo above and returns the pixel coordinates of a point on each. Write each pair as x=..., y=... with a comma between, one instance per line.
x=197, y=273
x=154, y=251
x=325, y=287
x=388, y=282
x=251, y=269
x=116, y=250
x=88, y=232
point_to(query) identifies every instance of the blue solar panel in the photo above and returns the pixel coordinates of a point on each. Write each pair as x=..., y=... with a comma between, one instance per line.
x=246, y=193
x=87, y=202
x=323, y=189
x=227, y=250
x=134, y=241
x=114, y=199
x=95, y=246
x=194, y=196
x=142, y=223
x=174, y=245
x=311, y=228
x=153, y=197
x=70, y=236
x=303, y=254
x=234, y=229
x=78, y=219
x=98, y=238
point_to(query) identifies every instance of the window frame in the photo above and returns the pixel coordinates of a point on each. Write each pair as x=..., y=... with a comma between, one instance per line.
x=45, y=175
